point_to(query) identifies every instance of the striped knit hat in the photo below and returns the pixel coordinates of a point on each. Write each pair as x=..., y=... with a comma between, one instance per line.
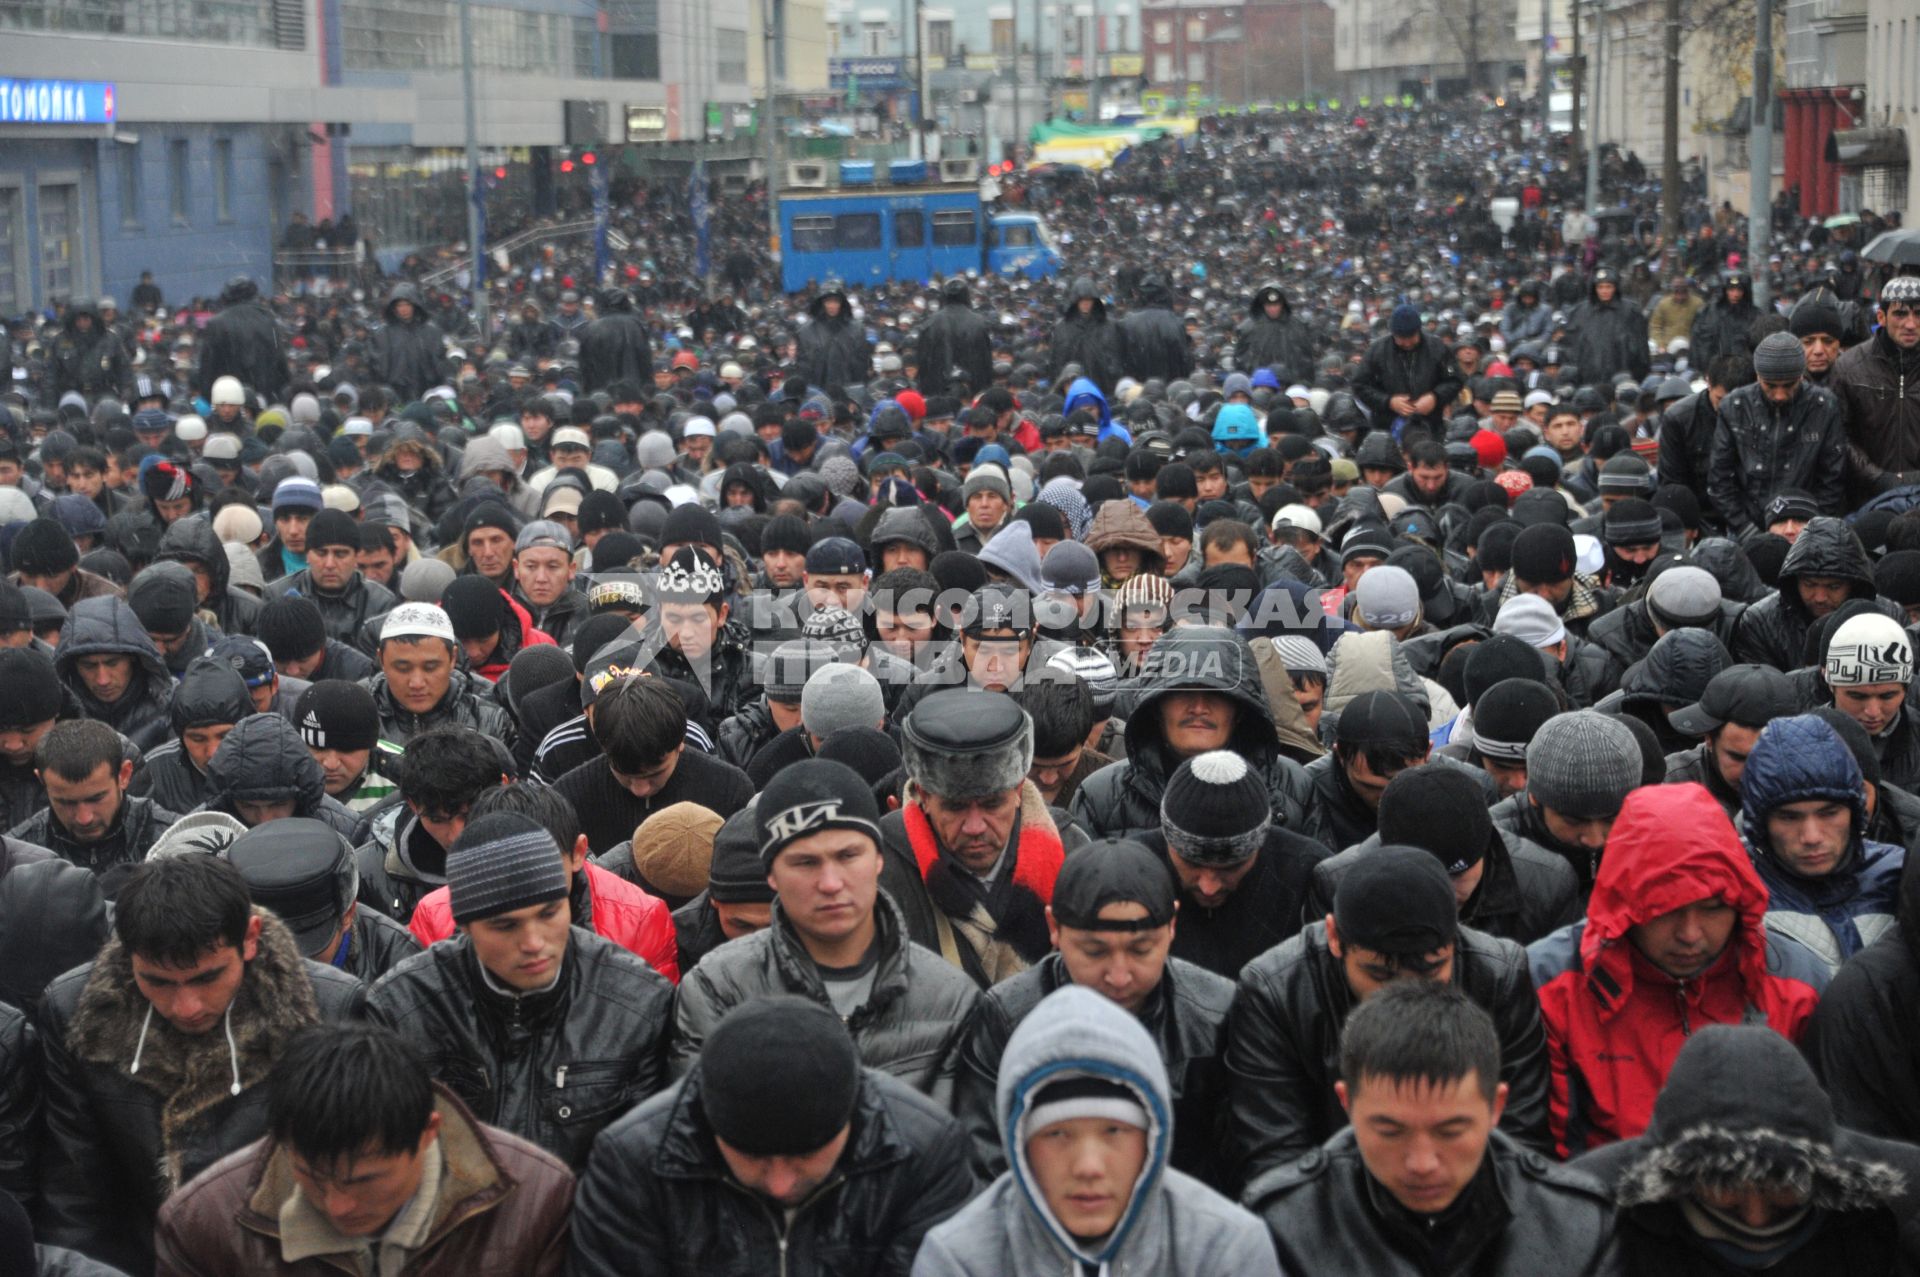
x=500, y=863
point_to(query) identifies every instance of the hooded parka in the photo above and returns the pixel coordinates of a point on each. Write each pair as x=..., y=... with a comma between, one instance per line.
x=107, y=627
x=1091, y=340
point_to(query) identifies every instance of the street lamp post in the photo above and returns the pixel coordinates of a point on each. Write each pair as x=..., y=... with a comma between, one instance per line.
x=477, y=288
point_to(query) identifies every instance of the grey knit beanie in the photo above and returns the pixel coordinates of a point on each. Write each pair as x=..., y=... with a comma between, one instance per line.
x=425, y=580
x=1779, y=357
x=1583, y=765
x=841, y=696
x=502, y=862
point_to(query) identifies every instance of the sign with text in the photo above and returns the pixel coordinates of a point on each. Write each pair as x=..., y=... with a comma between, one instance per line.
x=56, y=101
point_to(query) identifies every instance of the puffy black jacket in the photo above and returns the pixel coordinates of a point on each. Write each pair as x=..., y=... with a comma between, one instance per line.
x=532, y=337
x=106, y=626
x=19, y=1108
x=1388, y=371
x=657, y=1196
x=94, y=363
x=1720, y=329
x=832, y=352
x=1284, y=344
x=1774, y=630
x=910, y=1025
x=1186, y=1014
x=343, y=612
x=469, y=702
x=1266, y=909
x=1524, y=893
x=615, y=347
x=1091, y=340
x=263, y=760
x=192, y=541
x=554, y=1067
x=208, y=693
x=117, y=1144
x=1879, y=384
x=408, y=355
x=244, y=340
x=956, y=338
x=1758, y=450
x=1525, y=1217
x=1153, y=340
x=1283, y=1046
x=1626, y=634
x=1123, y=798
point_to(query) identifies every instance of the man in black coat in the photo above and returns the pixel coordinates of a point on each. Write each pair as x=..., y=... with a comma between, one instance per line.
x=244, y=340
x=1783, y=432
x=1407, y=374
x=813, y=1166
x=957, y=340
x=1272, y=336
x=1112, y=922
x=832, y=349
x=1722, y=327
x=1086, y=335
x=87, y=356
x=407, y=351
x=154, y=1052
x=1153, y=340
x=1608, y=334
x=615, y=347
x=1394, y=918
x=1420, y=1067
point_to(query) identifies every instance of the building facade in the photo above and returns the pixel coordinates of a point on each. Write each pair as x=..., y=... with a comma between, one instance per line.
x=1892, y=106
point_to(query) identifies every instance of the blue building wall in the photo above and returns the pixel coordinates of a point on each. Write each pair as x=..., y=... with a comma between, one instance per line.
x=194, y=253
x=27, y=168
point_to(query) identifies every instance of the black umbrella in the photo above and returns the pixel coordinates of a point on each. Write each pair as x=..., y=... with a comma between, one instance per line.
x=1896, y=248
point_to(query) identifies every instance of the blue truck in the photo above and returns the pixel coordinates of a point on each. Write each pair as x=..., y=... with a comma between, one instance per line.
x=904, y=232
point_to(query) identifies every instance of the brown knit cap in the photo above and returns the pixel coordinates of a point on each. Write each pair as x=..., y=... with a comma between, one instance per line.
x=673, y=847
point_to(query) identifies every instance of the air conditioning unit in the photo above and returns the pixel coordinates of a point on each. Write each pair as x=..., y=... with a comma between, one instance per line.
x=807, y=174
x=966, y=168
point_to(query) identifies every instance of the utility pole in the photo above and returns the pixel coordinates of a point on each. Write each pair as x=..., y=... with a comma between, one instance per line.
x=1306, y=53
x=1593, y=117
x=1760, y=153
x=476, y=230
x=1015, y=155
x=770, y=123
x=1546, y=76
x=1575, y=120
x=919, y=79
x=1093, y=64
x=1670, y=132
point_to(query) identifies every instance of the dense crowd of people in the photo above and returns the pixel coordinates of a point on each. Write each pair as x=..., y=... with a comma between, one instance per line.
x=1334, y=737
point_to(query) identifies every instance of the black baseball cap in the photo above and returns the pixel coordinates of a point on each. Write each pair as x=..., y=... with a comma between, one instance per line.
x=1750, y=695
x=1112, y=871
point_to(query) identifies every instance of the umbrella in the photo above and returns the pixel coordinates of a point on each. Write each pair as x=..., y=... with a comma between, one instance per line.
x=1896, y=248
x=1838, y=220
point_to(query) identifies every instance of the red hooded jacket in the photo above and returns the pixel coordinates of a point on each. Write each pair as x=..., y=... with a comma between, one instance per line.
x=495, y=669
x=621, y=912
x=1614, y=1020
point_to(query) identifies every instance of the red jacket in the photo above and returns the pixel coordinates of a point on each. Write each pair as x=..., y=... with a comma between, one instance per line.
x=1615, y=1021
x=621, y=912
x=495, y=669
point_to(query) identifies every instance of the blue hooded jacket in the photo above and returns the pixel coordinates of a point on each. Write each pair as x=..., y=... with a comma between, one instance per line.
x=1084, y=394
x=1797, y=760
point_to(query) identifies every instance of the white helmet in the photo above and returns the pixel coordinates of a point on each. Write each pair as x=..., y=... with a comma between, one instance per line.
x=228, y=390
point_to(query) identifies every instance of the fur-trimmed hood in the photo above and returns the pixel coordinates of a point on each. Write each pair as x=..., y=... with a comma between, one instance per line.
x=193, y=1074
x=1741, y=1106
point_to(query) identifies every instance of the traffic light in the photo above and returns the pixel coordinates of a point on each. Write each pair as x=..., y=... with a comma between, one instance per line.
x=587, y=158
x=566, y=166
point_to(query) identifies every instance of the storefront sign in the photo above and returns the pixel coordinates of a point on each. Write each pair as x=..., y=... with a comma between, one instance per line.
x=56, y=101
x=869, y=73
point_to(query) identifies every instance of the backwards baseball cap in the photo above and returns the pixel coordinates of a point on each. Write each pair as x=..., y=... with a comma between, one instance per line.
x=1750, y=695
x=1112, y=871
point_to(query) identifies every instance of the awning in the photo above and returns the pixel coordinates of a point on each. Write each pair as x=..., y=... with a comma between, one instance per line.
x=1861, y=148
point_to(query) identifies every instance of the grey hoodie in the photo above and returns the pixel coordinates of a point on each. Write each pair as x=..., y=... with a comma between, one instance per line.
x=1175, y=1226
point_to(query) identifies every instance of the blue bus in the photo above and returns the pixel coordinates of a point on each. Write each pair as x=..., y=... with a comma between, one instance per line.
x=902, y=234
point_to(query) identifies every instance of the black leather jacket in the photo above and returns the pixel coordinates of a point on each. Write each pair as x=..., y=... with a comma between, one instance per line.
x=657, y=1197
x=554, y=1067
x=19, y=1108
x=1757, y=451
x=1186, y=1015
x=379, y=945
x=469, y=702
x=1283, y=1046
x=1524, y=1216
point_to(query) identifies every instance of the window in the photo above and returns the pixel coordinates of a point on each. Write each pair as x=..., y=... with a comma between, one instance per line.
x=1162, y=68
x=857, y=230
x=127, y=161
x=59, y=241
x=177, y=180
x=1197, y=66
x=1004, y=37
x=873, y=38
x=223, y=179
x=954, y=228
x=635, y=57
x=1017, y=235
x=1196, y=29
x=1162, y=31
x=940, y=39
x=909, y=229
x=729, y=56
x=13, y=240
x=813, y=234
